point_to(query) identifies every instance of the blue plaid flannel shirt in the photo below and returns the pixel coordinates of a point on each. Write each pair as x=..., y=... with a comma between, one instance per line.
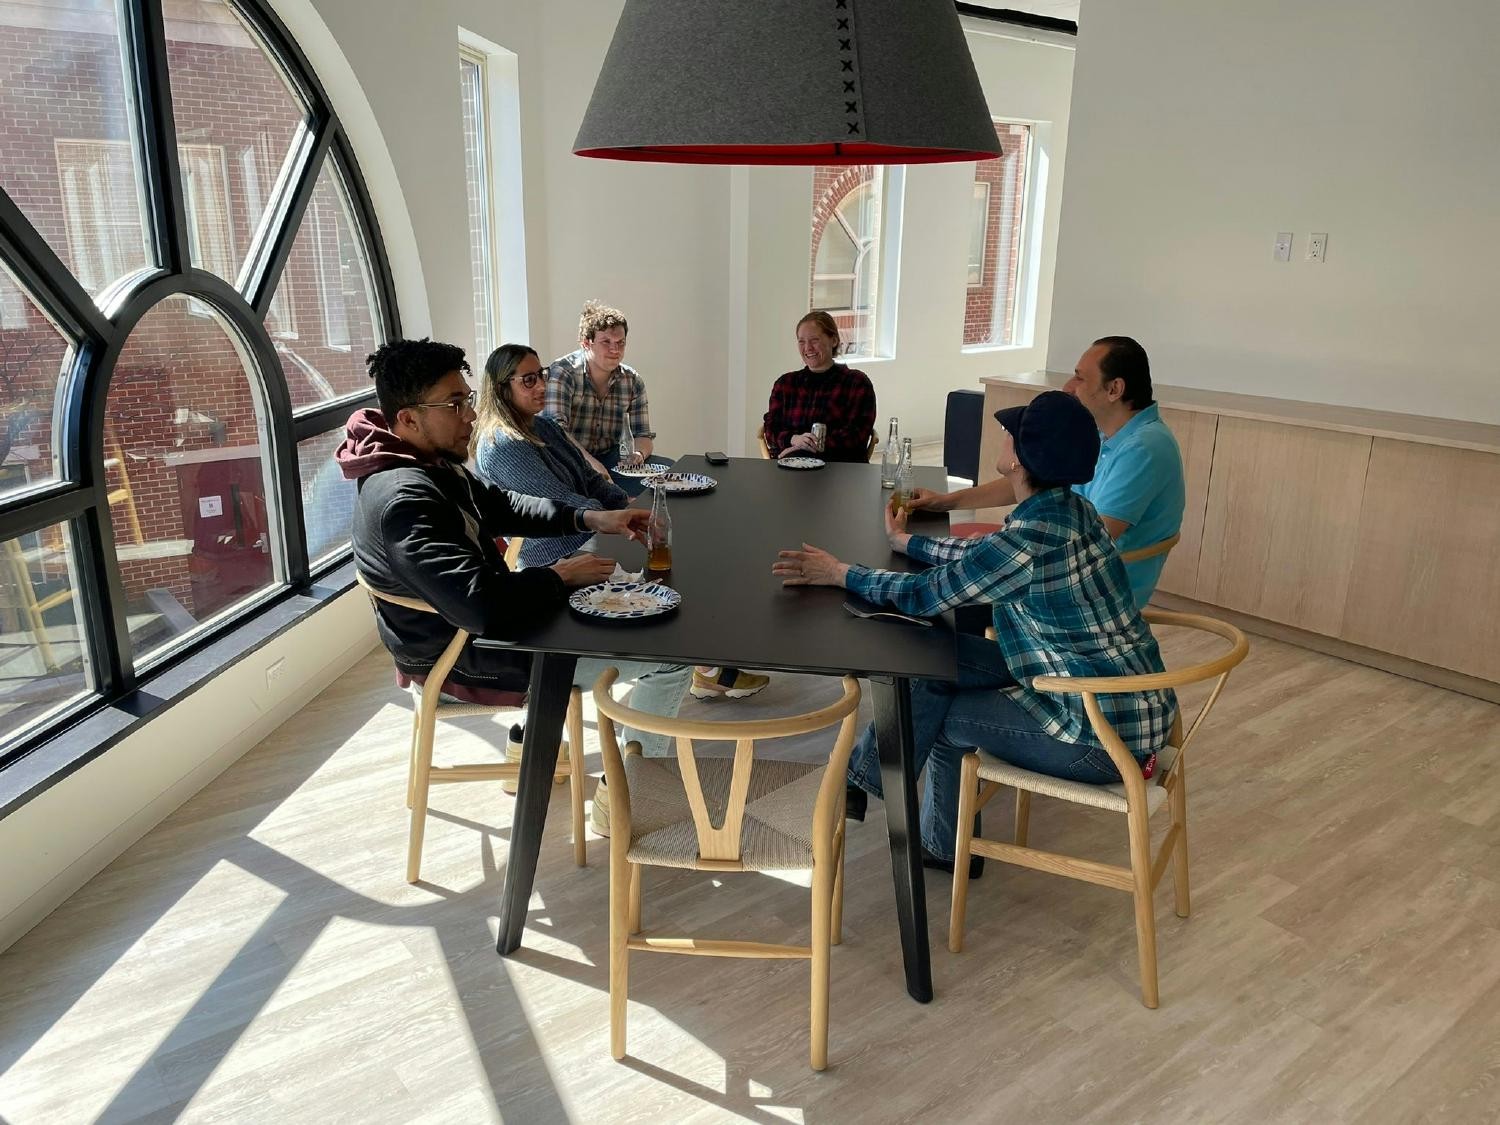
x=1062, y=607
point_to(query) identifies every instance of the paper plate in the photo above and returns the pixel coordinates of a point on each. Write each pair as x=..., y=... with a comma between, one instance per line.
x=624, y=601
x=682, y=482
x=649, y=469
x=800, y=463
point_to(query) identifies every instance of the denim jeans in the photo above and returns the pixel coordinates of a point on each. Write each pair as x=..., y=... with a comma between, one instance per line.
x=658, y=690
x=948, y=719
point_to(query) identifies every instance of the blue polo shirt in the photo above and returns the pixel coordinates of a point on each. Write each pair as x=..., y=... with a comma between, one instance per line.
x=1139, y=481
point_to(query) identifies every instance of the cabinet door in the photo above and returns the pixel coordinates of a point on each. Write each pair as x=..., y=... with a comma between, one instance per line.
x=1282, y=518
x=1195, y=434
x=1424, y=582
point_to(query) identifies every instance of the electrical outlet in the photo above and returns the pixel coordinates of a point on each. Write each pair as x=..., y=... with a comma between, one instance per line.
x=1283, y=251
x=1317, y=247
x=275, y=672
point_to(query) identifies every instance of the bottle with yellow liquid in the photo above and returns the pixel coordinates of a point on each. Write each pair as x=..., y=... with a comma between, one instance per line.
x=659, y=532
x=905, y=485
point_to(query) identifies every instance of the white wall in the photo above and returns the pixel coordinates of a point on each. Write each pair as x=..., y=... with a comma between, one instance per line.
x=60, y=839
x=1200, y=130
x=1023, y=80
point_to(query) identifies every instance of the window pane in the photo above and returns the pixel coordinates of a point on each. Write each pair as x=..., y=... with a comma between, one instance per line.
x=327, y=498
x=477, y=183
x=330, y=291
x=185, y=454
x=43, y=664
x=67, y=158
x=33, y=357
x=999, y=201
x=237, y=118
x=846, y=240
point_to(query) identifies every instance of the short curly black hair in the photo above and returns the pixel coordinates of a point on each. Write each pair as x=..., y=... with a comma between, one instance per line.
x=404, y=370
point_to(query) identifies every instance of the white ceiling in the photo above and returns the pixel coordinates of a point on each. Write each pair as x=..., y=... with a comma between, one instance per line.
x=1057, y=9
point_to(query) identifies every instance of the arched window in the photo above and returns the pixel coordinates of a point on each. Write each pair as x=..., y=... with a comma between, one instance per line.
x=190, y=279
x=854, y=207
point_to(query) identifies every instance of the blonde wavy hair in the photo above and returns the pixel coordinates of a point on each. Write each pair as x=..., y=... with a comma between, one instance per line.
x=496, y=411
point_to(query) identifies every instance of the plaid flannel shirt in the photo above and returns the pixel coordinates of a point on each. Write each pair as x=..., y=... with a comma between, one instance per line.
x=1062, y=607
x=842, y=398
x=595, y=421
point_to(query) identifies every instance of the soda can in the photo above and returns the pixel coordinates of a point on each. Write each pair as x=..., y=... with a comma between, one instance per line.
x=820, y=435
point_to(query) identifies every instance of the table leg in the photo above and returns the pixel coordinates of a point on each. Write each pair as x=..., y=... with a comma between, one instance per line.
x=551, y=681
x=892, y=699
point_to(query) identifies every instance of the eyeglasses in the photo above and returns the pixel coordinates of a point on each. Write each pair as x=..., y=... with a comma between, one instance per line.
x=457, y=405
x=531, y=379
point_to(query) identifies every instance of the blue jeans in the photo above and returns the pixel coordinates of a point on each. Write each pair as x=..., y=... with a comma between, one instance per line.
x=658, y=690
x=950, y=719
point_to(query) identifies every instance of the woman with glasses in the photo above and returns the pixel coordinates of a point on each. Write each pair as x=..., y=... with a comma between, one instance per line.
x=518, y=448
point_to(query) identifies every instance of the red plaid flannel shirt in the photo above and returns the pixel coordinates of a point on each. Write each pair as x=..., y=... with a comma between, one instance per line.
x=842, y=398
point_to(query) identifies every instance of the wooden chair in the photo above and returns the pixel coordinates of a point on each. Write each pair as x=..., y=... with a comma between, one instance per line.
x=429, y=708
x=662, y=814
x=1151, y=550
x=983, y=776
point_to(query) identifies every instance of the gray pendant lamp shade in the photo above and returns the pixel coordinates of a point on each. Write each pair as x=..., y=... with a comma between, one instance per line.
x=788, y=82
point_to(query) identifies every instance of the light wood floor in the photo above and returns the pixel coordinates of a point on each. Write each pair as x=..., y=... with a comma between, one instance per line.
x=257, y=957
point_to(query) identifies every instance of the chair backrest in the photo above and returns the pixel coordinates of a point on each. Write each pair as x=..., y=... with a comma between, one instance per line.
x=513, y=551
x=963, y=420
x=1091, y=687
x=1151, y=550
x=432, y=688
x=721, y=843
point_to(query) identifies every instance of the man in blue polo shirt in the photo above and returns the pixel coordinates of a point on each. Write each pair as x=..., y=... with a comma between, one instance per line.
x=1138, y=486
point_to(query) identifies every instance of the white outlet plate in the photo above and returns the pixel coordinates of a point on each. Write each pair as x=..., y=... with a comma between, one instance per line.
x=1283, y=249
x=1317, y=247
x=275, y=671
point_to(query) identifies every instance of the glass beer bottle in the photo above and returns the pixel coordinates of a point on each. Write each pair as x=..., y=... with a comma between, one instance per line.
x=890, y=460
x=659, y=532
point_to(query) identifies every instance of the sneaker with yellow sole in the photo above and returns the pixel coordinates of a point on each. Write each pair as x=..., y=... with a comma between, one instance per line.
x=513, y=756
x=726, y=683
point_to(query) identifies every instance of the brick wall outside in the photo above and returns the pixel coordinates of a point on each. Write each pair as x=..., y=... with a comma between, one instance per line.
x=1006, y=177
x=64, y=82
x=831, y=184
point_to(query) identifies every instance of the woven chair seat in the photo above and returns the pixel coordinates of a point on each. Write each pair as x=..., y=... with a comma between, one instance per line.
x=775, y=834
x=459, y=710
x=1109, y=797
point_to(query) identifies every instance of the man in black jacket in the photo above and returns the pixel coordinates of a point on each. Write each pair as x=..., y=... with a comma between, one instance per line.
x=425, y=527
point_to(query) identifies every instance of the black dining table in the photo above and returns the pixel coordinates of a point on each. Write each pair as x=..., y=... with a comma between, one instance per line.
x=735, y=613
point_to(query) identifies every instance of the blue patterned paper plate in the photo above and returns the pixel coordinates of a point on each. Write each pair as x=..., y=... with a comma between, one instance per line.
x=680, y=483
x=624, y=601
x=801, y=462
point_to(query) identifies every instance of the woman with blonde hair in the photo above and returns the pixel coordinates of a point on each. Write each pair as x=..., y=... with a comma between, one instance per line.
x=839, y=396
x=519, y=448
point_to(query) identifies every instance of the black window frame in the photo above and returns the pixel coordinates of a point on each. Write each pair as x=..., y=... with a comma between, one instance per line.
x=80, y=503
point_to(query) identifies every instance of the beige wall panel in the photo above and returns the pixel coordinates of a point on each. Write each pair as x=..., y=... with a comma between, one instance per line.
x=1195, y=434
x=1424, y=583
x=1282, y=518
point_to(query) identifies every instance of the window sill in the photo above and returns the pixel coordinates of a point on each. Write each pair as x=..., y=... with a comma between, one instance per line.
x=104, y=724
x=988, y=349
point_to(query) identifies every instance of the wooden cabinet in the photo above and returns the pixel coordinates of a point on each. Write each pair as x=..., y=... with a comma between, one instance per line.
x=1423, y=583
x=1195, y=433
x=1283, y=515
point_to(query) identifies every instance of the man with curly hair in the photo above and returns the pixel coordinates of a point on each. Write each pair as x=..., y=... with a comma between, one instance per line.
x=592, y=394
